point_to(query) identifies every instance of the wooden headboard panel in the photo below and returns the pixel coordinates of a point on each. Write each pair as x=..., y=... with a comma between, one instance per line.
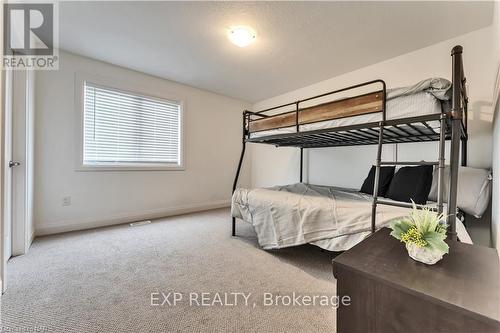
x=347, y=107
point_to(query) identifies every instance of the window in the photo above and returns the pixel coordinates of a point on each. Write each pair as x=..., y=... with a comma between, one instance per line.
x=124, y=129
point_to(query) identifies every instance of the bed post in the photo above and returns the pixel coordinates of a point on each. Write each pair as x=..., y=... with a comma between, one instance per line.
x=377, y=176
x=465, y=137
x=456, y=123
x=379, y=160
x=465, y=120
x=238, y=170
x=301, y=162
x=441, y=161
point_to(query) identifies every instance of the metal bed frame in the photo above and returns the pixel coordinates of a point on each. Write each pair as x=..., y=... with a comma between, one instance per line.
x=453, y=126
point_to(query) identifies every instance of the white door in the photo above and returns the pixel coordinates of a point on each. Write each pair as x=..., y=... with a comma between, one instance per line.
x=7, y=197
x=7, y=94
x=18, y=177
x=21, y=162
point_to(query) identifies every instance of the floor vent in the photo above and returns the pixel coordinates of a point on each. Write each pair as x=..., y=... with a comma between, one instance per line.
x=136, y=224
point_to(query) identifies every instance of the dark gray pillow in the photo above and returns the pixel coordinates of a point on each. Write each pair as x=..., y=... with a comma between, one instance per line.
x=411, y=183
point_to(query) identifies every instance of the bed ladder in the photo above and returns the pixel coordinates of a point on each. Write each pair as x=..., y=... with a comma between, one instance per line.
x=440, y=163
x=458, y=121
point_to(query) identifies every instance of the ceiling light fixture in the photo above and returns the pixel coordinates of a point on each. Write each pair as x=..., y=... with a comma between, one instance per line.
x=241, y=35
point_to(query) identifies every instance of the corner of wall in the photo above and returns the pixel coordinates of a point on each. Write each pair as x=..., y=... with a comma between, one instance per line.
x=2, y=76
x=495, y=220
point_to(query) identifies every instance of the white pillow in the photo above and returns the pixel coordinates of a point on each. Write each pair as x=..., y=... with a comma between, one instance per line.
x=474, y=189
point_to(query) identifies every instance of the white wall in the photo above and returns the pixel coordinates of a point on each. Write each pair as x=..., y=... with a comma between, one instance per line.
x=212, y=147
x=2, y=162
x=495, y=223
x=495, y=213
x=349, y=166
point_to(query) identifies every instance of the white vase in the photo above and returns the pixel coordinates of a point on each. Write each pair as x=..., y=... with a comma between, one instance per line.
x=423, y=254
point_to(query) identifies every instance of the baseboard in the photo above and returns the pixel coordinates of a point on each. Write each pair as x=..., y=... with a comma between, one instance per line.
x=82, y=224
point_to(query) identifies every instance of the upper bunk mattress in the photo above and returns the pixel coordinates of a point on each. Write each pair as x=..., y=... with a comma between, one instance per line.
x=330, y=217
x=426, y=97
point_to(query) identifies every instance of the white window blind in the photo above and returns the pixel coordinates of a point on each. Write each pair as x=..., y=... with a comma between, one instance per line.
x=125, y=128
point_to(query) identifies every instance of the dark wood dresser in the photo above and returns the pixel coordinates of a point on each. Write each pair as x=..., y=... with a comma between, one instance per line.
x=390, y=292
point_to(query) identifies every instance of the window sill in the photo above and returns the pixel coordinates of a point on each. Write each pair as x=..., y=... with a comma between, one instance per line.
x=129, y=167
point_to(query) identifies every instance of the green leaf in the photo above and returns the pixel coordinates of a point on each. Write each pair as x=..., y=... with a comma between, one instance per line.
x=434, y=235
x=405, y=225
x=399, y=228
x=435, y=240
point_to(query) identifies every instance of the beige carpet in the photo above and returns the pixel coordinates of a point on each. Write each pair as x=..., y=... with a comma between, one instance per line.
x=101, y=280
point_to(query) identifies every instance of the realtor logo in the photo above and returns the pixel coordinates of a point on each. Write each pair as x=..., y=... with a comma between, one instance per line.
x=29, y=36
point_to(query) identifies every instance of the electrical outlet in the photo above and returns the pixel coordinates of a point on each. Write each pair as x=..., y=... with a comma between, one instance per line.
x=66, y=201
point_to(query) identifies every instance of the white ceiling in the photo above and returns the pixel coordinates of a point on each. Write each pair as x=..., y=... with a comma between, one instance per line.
x=298, y=43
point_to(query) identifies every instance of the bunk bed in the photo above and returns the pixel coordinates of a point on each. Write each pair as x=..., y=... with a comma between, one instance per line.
x=362, y=114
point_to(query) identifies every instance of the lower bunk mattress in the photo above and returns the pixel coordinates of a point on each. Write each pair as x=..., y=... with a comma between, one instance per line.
x=332, y=218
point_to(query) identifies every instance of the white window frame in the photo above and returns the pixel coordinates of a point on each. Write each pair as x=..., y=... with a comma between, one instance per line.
x=131, y=88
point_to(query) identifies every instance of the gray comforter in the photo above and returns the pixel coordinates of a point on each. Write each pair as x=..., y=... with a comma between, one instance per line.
x=332, y=218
